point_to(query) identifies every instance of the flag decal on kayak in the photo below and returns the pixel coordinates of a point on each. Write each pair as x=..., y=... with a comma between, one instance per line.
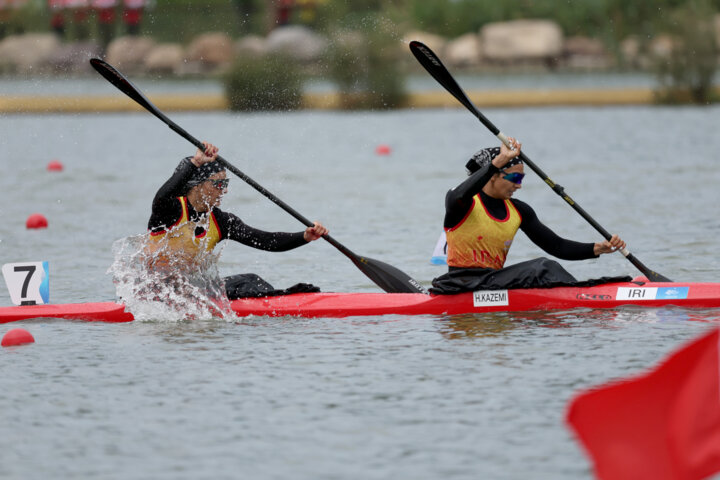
x=673, y=292
x=490, y=298
x=652, y=293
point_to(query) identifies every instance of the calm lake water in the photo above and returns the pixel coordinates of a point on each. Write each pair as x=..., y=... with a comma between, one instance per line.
x=465, y=397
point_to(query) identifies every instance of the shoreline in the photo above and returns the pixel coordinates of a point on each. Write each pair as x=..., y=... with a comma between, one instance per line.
x=32, y=104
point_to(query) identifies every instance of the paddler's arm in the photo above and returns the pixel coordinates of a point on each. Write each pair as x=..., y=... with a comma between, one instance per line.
x=459, y=200
x=558, y=246
x=548, y=240
x=166, y=209
x=233, y=228
x=176, y=185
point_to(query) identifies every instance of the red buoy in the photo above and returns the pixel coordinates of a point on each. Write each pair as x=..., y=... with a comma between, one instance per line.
x=382, y=150
x=17, y=336
x=36, y=220
x=55, y=166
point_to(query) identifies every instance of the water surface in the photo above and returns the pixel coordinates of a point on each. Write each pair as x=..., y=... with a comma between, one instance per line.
x=463, y=397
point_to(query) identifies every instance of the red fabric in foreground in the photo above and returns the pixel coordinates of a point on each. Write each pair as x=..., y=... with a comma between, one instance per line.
x=664, y=424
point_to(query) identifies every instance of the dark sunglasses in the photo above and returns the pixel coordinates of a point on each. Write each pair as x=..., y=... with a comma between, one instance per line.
x=516, y=177
x=220, y=184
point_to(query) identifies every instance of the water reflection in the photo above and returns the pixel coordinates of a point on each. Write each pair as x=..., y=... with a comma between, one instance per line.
x=196, y=334
x=499, y=324
x=666, y=315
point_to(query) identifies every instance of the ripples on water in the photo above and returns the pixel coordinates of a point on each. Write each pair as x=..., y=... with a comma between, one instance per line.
x=471, y=396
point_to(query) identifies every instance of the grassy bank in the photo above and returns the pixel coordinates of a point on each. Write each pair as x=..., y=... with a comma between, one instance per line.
x=332, y=101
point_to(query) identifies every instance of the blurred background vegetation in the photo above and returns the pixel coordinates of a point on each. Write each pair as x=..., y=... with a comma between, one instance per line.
x=612, y=20
x=686, y=75
x=263, y=84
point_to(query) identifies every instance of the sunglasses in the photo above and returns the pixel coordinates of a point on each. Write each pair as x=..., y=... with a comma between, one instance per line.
x=220, y=184
x=516, y=177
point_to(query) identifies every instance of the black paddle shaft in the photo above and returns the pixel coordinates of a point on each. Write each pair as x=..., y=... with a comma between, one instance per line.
x=386, y=276
x=439, y=72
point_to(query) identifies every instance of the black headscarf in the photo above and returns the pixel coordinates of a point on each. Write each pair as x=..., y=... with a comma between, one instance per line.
x=203, y=172
x=485, y=156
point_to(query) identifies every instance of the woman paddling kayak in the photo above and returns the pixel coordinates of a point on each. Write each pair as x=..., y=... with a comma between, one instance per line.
x=481, y=220
x=186, y=224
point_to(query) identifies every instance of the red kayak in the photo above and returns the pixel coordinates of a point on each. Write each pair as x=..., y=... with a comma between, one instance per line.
x=611, y=295
x=103, y=312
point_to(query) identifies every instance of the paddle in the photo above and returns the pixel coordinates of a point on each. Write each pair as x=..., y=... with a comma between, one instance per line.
x=435, y=67
x=385, y=276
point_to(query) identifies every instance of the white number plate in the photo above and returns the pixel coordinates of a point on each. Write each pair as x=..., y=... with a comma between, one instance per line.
x=28, y=282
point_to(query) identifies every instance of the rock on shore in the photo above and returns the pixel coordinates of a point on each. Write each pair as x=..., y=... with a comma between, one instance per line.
x=503, y=44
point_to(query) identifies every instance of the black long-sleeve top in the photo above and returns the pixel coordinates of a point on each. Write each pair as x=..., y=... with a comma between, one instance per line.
x=167, y=209
x=458, y=202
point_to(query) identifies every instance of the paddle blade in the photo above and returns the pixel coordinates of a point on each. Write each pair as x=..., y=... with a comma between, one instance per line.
x=439, y=72
x=651, y=275
x=124, y=85
x=656, y=277
x=387, y=277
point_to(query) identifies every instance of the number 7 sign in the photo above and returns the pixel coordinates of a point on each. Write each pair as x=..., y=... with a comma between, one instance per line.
x=28, y=282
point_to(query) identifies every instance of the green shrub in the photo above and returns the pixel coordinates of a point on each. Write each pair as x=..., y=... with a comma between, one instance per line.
x=271, y=83
x=365, y=65
x=687, y=74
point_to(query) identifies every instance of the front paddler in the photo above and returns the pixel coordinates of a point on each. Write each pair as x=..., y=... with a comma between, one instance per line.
x=481, y=220
x=186, y=222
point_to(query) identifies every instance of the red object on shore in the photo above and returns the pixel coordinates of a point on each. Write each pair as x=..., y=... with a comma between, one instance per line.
x=17, y=336
x=55, y=166
x=36, y=220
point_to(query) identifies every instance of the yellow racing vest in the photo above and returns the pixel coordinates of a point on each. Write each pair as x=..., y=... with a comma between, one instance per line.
x=481, y=240
x=178, y=245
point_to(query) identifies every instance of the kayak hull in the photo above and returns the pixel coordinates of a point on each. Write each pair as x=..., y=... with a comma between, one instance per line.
x=339, y=305
x=101, y=311
x=614, y=295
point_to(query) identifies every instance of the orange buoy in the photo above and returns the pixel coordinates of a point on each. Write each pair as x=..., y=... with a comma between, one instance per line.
x=55, y=166
x=382, y=150
x=17, y=336
x=36, y=220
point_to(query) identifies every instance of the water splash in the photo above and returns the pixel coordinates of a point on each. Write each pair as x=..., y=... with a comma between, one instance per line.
x=167, y=290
